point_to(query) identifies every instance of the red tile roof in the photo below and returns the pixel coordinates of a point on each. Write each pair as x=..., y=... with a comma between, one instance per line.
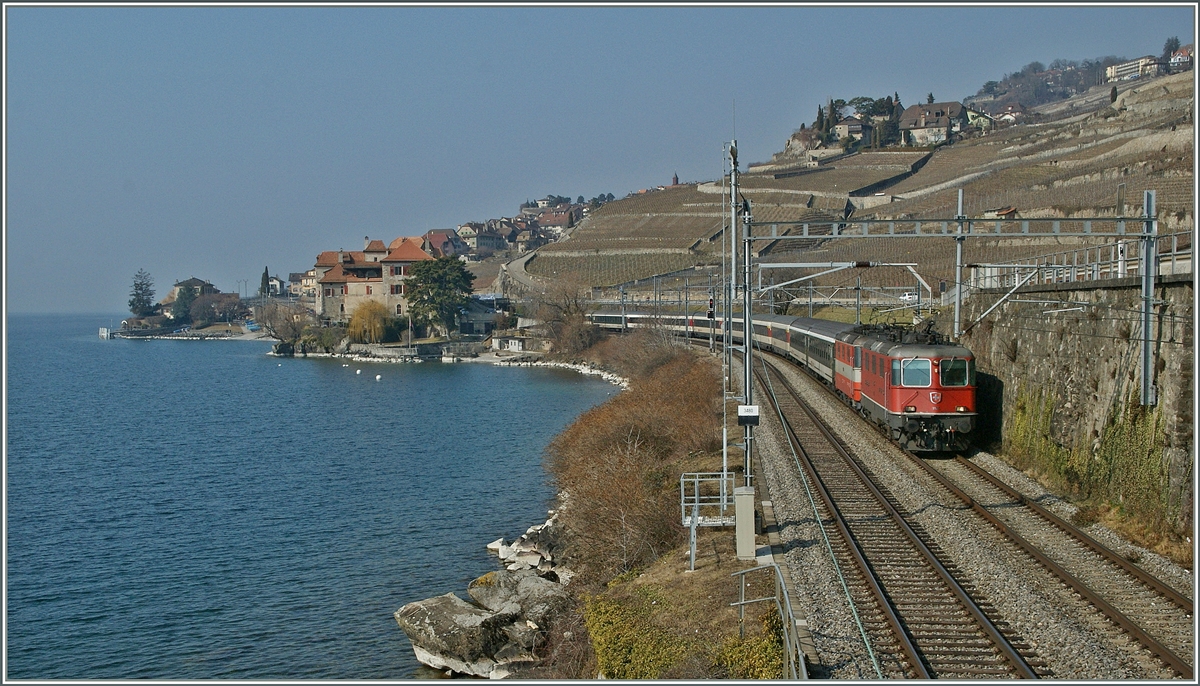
x=337, y=275
x=329, y=258
x=375, y=246
x=406, y=250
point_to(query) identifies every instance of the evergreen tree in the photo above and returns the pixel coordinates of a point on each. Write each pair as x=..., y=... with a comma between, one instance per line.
x=929, y=99
x=819, y=123
x=1112, y=95
x=264, y=287
x=141, y=299
x=439, y=289
x=181, y=309
x=1170, y=47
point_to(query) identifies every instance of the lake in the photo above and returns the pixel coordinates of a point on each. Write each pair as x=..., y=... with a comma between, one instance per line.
x=199, y=509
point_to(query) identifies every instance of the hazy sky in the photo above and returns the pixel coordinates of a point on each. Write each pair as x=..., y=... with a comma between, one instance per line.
x=214, y=141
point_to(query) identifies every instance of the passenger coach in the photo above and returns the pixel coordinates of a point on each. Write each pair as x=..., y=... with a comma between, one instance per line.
x=916, y=387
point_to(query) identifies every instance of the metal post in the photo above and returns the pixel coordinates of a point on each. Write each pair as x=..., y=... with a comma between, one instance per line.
x=1149, y=267
x=687, y=317
x=810, y=294
x=733, y=208
x=958, y=246
x=857, y=300
x=623, y=324
x=747, y=333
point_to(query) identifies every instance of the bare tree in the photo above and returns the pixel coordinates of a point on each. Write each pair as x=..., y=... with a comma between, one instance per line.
x=563, y=307
x=284, y=321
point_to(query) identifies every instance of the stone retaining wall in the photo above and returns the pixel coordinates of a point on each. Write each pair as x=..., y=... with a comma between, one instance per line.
x=1086, y=364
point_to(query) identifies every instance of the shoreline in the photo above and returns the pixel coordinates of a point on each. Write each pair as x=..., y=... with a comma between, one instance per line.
x=485, y=358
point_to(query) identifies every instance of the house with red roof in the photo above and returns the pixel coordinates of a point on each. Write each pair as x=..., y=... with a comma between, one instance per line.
x=379, y=272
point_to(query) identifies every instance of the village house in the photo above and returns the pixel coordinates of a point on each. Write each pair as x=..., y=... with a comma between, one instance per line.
x=556, y=221
x=482, y=238
x=201, y=287
x=1181, y=59
x=932, y=123
x=443, y=243
x=980, y=119
x=378, y=272
x=854, y=128
x=1010, y=114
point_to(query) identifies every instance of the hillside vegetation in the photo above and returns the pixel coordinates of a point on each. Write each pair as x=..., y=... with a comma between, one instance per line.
x=1068, y=166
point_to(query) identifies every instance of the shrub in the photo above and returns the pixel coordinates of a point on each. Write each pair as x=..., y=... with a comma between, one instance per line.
x=618, y=464
x=758, y=656
x=626, y=643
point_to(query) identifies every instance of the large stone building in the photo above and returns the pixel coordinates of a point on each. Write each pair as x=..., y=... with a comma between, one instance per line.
x=346, y=279
x=932, y=123
x=1143, y=66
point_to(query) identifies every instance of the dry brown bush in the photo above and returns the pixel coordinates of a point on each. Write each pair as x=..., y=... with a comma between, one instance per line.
x=619, y=463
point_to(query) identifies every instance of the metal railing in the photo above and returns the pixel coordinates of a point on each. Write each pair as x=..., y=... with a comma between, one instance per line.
x=1118, y=260
x=794, y=667
x=706, y=499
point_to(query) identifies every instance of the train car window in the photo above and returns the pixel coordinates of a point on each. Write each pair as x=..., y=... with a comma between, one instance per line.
x=916, y=372
x=895, y=372
x=857, y=356
x=970, y=372
x=954, y=372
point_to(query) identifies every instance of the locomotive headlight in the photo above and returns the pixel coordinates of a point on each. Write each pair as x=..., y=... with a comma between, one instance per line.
x=961, y=408
x=910, y=408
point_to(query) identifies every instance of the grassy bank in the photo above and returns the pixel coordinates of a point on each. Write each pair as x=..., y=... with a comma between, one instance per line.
x=640, y=612
x=1123, y=483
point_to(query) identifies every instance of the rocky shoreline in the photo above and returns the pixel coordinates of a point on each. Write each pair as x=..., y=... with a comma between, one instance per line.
x=497, y=634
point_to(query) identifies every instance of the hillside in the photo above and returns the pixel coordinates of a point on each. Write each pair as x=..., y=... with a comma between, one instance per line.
x=1071, y=163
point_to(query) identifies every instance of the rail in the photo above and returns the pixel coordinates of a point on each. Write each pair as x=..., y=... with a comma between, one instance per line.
x=706, y=499
x=794, y=656
x=1005, y=650
x=1094, y=263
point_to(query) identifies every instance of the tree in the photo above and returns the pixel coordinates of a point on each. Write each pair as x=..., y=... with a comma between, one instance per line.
x=929, y=99
x=283, y=320
x=579, y=200
x=264, y=287
x=215, y=307
x=1170, y=47
x=438, y=290
x=368, y=322
x=1112, y=95
x=181, y=309
x=141, y=298
x=564, y=307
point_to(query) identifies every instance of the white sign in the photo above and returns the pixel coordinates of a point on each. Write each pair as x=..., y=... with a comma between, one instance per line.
x=747, y=415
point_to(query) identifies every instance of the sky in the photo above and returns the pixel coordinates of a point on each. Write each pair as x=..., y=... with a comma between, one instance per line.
x=216, y=141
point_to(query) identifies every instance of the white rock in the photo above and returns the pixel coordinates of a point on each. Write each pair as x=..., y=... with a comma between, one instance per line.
x=517, y=566
x=505, y=552
x=495, y=545
x=532, y=559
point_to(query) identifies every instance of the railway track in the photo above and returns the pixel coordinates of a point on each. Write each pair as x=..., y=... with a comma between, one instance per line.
x=1154, y=614
x=920, y=616
x=1158, y=617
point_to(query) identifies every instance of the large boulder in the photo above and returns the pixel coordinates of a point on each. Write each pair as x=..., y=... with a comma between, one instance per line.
x=449, y=633
x=520, y=592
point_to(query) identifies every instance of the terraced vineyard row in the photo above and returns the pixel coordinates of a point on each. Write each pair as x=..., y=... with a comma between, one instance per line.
x=609, y=270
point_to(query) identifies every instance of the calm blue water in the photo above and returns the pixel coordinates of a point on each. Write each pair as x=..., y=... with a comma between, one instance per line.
x=188, y=509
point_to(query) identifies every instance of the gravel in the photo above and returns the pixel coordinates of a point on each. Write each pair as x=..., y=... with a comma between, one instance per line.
x=1073, y=638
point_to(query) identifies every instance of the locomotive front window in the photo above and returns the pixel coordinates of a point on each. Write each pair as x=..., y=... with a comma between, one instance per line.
x=915, y=372
x=957, y=372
